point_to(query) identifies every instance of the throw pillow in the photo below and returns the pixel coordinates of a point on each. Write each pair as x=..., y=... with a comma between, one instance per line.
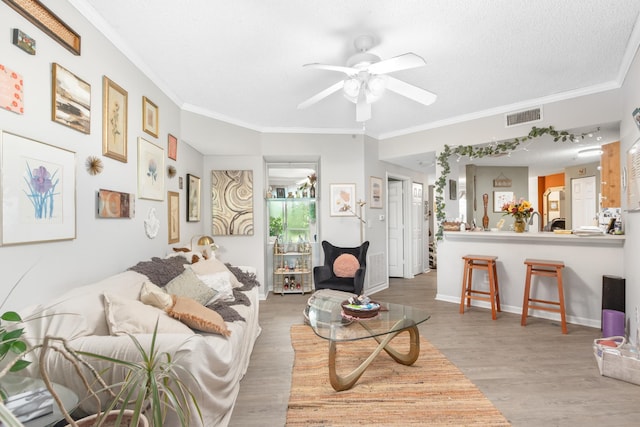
x=196, y=316
x=151, y=294
x=189, y=285
x=346, y=265
x=221, y=283
x=129, y=316
x=211, y=266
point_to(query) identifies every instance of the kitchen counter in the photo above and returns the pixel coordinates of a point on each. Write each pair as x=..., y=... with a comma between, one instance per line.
x=586, y=258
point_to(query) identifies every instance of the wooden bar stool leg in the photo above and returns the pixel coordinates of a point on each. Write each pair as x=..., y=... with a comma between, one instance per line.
x=563, y=318
x=492, y=289
x=495, y=277
x=469, y=283
x=463, y=294
x=525, y=302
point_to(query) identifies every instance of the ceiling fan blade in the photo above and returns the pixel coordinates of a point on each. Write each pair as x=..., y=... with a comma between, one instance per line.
x=363, y=110
x=347, y=70
x=397, y=63
x=321, y=95
x=410, y=91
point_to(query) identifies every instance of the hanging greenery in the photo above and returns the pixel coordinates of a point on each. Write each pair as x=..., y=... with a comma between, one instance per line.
x=474, y=152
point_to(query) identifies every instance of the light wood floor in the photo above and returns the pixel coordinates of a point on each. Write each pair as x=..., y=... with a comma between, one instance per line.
x=535, y=375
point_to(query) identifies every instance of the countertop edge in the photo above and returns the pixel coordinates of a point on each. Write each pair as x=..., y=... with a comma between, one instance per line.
x=547, y=237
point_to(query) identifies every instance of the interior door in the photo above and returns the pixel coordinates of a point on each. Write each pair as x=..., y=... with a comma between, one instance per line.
x=396, y=229
x=417, y=229
x=583, y=201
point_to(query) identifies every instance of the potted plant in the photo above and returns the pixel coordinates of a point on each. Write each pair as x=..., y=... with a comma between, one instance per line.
x=150, y=387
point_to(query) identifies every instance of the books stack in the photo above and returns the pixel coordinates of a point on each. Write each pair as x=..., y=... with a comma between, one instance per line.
x=30, y=404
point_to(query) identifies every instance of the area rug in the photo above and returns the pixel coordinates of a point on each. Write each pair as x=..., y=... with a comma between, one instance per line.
x=430, y=392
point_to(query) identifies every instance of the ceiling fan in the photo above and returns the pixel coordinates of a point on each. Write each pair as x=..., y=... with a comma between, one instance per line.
x=366, y=79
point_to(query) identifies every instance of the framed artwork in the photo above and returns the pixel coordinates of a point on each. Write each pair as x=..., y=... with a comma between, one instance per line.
x=193, y=199
x=150, y=170
x=114, y=120
x=11, y=90
x=149, y=117
x=553, y=205
x=71, y=100
x=375, y=192
x=281, y=193
x=24, y=41
x=232, y=202
x=114, y=204
x=453, y=189
x=500, y=198
x=38, y=14
x=173, y=198
x=342, y=199
x=38, y=191
x=172, y=147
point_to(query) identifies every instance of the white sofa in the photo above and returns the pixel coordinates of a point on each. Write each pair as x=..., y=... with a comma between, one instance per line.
x=216, y=363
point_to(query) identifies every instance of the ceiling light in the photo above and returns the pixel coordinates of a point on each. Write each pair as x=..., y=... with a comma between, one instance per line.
x=351, y=89
x=593, y=151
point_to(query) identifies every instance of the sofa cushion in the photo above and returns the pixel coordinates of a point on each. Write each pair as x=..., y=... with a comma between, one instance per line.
x=346, y=265
x=196, y=316
x=189, y=285
x=213, y=266
x=221, y=283
x=151, y=294
x=129, y=316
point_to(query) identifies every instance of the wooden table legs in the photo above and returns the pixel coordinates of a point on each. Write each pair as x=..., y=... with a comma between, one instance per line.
x=340, y=383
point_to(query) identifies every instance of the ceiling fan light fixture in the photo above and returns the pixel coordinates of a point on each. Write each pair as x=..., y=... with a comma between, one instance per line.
x=351, y=89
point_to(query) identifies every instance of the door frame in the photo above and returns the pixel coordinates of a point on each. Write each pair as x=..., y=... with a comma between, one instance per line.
x=406, y=219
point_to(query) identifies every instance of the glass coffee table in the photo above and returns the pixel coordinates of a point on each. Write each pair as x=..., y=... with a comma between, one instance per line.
x=328, y=321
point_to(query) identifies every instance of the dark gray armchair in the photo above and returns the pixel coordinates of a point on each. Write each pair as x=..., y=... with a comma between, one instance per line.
x=324, y=276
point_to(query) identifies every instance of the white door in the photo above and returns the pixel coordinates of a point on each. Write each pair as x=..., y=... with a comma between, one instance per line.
x=583, y=201
x=417, y=230
x=396, y=229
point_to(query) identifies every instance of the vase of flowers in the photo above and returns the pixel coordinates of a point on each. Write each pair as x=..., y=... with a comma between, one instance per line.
x=520, y=211
x=312, y=181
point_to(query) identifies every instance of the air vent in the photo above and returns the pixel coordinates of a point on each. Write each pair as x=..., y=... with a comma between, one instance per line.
x=521, y=117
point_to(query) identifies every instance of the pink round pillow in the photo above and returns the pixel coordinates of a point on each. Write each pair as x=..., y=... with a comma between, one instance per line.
x=345, y=265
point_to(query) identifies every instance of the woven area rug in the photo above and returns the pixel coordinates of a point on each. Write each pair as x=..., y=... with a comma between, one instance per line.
x=431, y=392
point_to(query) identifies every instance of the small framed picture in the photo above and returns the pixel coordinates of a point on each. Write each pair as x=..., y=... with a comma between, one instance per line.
x=24, y=41
x=553, y=205
x=501, y=198
x=114, y=120
x=71, y=100
x=150, y=170
x=375, y=192
x=172, y=147
x=453, y=189
x=115, y=204
x=281, y=193
x=149, y=117
x=193, y=199
x=174, y=216
x=342, y=199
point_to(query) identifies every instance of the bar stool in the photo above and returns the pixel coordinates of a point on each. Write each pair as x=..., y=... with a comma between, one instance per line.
x=548, y=268
x=488, y=264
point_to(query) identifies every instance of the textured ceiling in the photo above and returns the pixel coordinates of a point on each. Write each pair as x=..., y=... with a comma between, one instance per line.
x=241, y=61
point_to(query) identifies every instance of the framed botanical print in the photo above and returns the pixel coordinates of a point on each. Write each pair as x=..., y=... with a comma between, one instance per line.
x=114, y=120
x=193, y=198
x=150, y=170
x=149, y=117
x=173, y=198
x=500, y=198
x=38, y=191
x=70, y=99
x=342, y=199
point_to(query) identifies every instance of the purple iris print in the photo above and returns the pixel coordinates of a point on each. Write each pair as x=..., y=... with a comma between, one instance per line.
x=42, y=187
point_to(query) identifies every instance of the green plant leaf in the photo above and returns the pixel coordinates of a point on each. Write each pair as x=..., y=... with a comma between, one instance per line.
x=11, y=316
x=19, y=365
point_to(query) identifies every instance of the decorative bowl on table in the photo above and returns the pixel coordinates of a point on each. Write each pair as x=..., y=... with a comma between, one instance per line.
x=360, y=311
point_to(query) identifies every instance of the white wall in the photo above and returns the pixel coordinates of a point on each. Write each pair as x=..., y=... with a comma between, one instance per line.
x=102, y=246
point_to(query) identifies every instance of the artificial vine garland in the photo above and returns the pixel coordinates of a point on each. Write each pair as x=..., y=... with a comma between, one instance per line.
x=482, y=151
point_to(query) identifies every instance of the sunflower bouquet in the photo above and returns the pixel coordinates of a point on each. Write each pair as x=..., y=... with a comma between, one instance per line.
x=520, y=210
